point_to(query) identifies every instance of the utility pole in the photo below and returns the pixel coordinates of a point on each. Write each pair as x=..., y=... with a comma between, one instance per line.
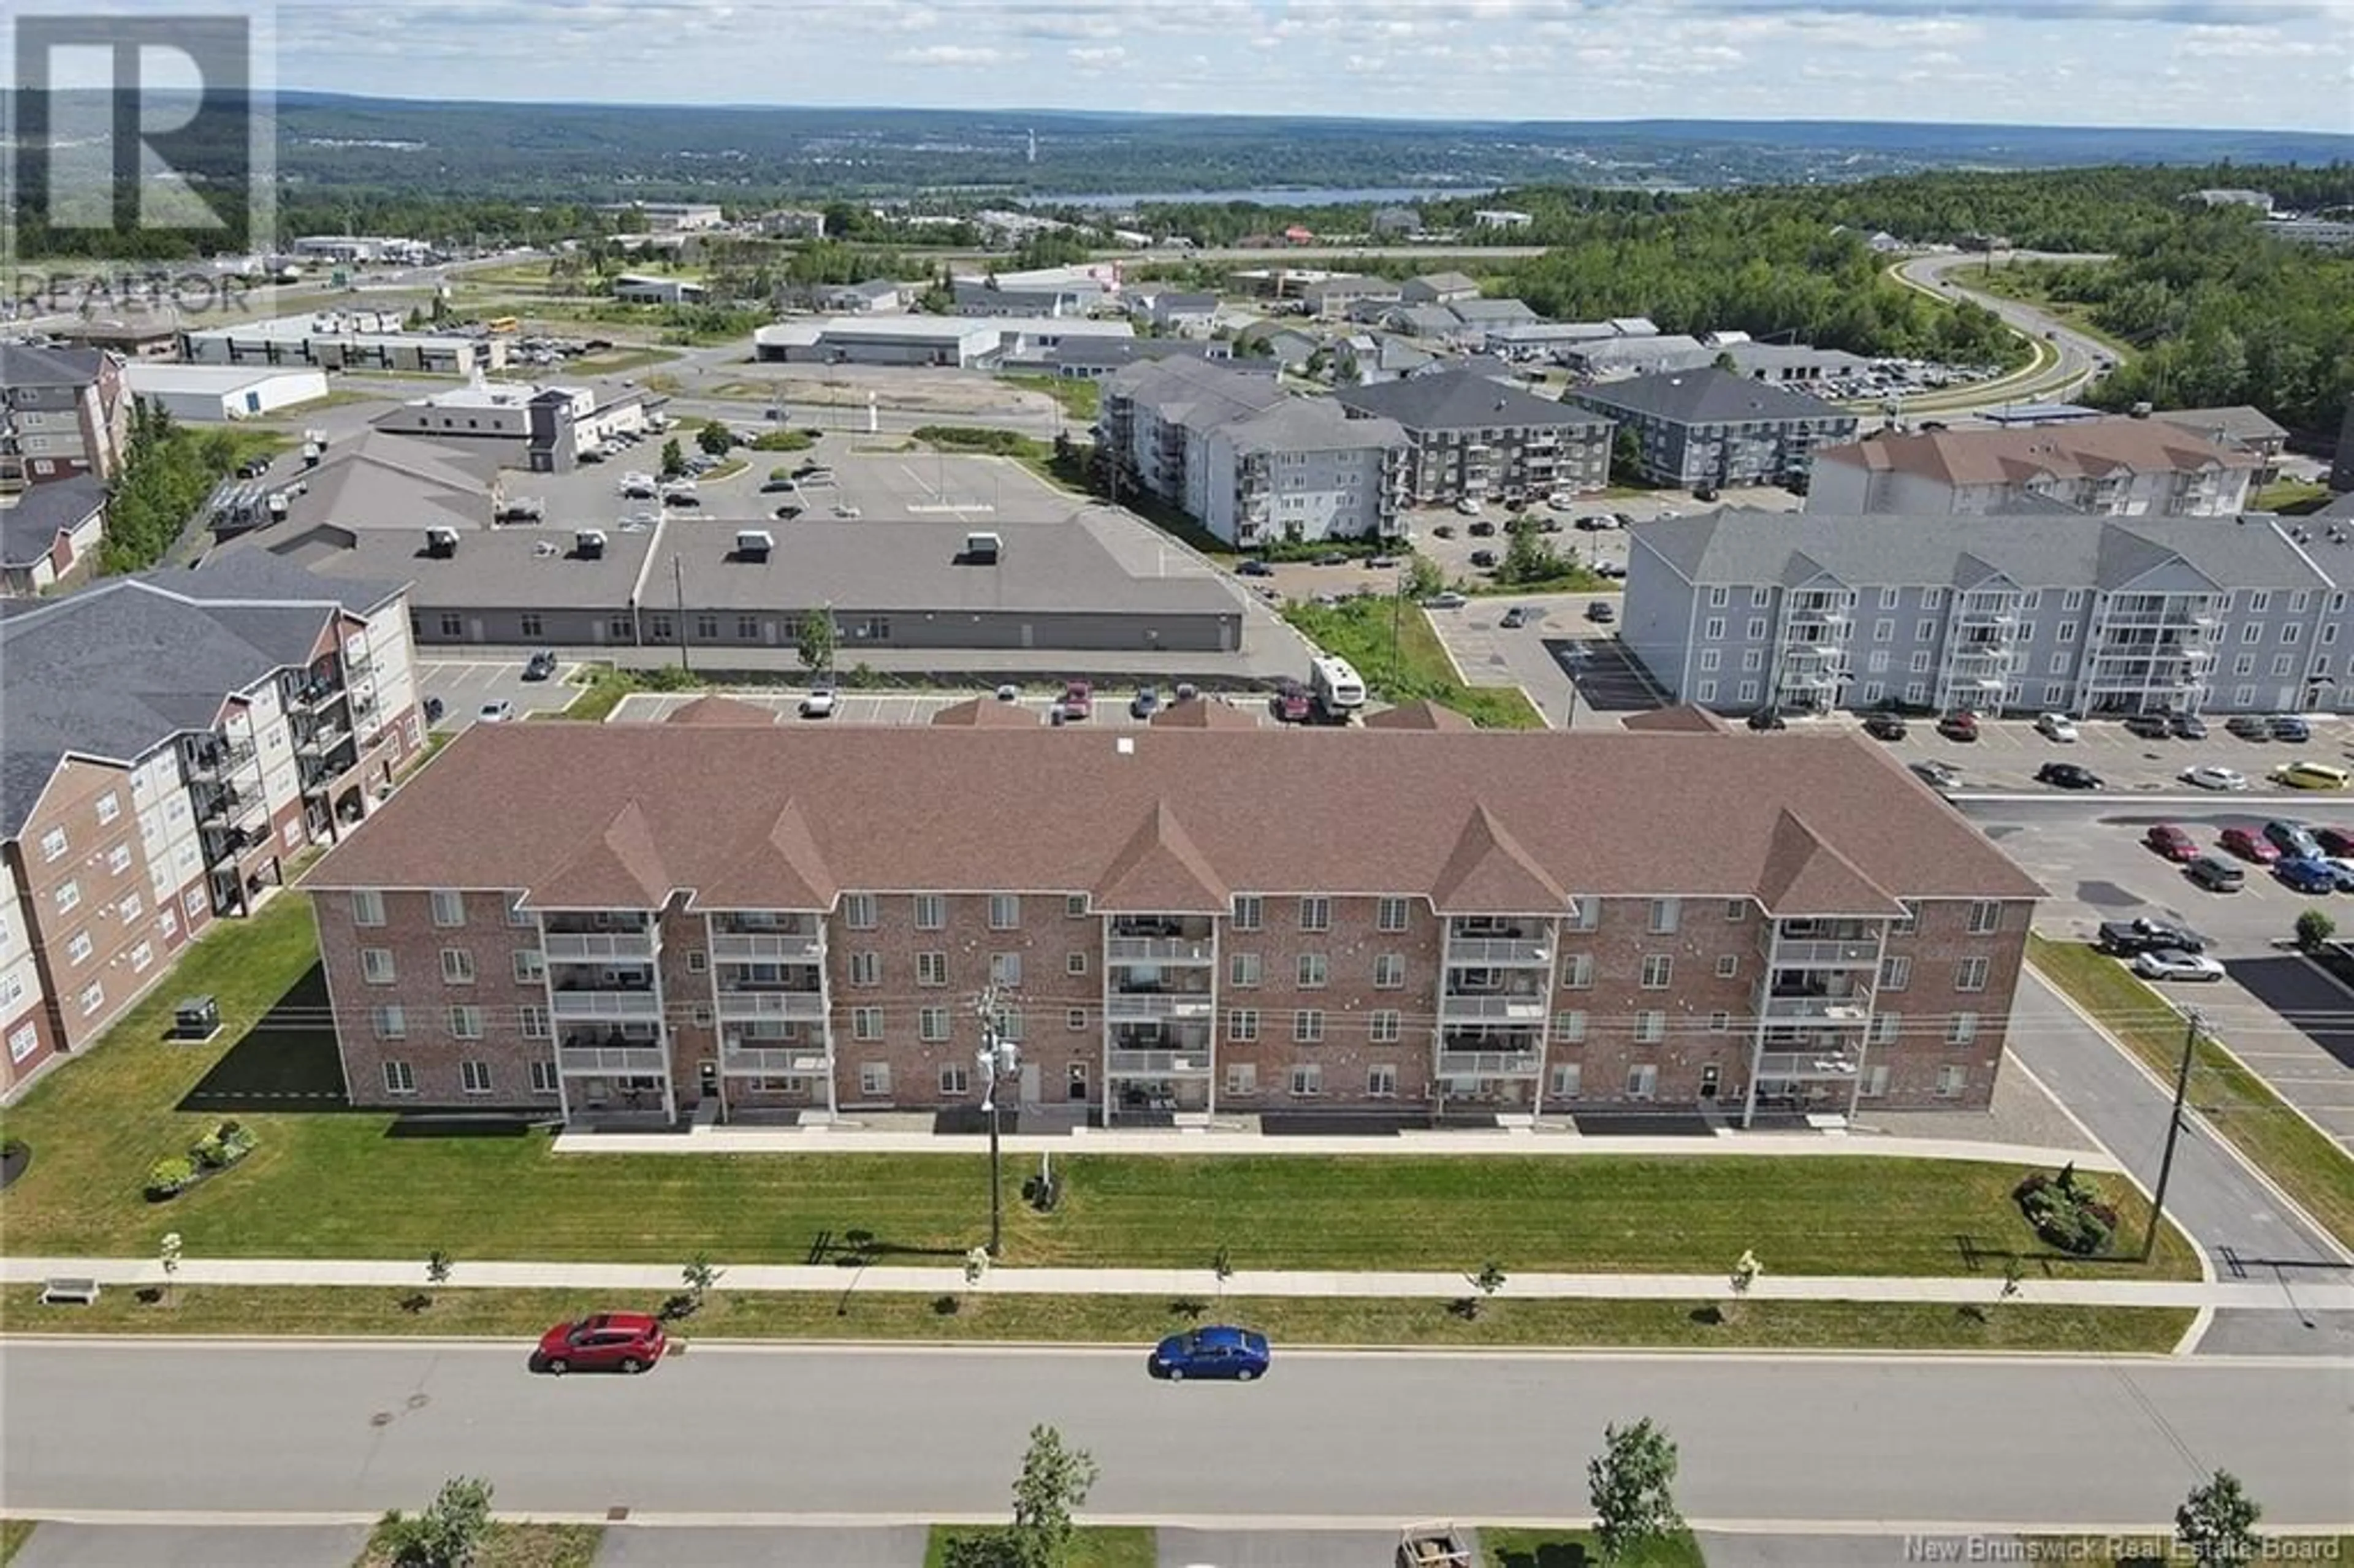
x=996, y=1057
x=678, y=578
x=2192, y=1027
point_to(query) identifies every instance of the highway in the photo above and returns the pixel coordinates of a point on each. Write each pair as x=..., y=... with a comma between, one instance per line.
x=2079, y=356
x=929, y=1431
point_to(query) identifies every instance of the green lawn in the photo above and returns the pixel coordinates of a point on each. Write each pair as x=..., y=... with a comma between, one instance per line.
x=2147, y=1550
x=1576, y=1549
x=13, y=1533
x=517, y=1545
x=1095, y=1546
x=604, y=686
x=2316, y=1172
x=1365, y=631
x=2290, y=497
x=1081, y=399
x=981, y=1316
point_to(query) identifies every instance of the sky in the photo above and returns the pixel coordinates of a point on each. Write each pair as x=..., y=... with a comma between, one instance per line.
x=2264, y=64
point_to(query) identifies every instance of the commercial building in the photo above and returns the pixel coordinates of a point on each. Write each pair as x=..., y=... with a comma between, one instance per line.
x=1709, y=427
x=2039, y=613
x=1439, y=289
x=173, y=743
x=1176, y=311
x=1468, y=436
x=63, y=412
x=1651, y=353
x=673, y=216
x=877, y=296
x=793, y=223
x=1333, y=294
x=652, y=289
x=345, y=339
x=669, y=921
x=351, y=248
x=47, y=532
x=212, y=394
x=1791, y=364
x=1092, y=358
x=963, y=342
x=2117, y=467
x=542, y=429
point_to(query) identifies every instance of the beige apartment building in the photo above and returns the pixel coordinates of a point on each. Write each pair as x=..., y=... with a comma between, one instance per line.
x=725, y=918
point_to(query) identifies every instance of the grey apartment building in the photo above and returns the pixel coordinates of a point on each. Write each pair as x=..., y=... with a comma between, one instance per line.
x=1707, y=425
x=725, y=917
x=2060, y=613
x=1471, y=436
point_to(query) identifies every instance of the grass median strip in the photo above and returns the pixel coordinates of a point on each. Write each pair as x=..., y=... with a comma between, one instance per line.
x=13, y=1533
x=512, y=1544
x=2307, y=1163
x=1092, y=1546
x=980, y=1317
x=1577, y=1549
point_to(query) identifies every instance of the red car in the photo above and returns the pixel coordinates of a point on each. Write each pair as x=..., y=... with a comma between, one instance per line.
x=2335, y=840
x=1289, y=703
x=1958, y=727
x=2248, y=845
x=1078, y=700
x=609, y=1341
x=2171, y=842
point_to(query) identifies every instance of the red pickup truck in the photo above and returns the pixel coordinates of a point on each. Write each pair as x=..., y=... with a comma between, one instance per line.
x=1078, y=700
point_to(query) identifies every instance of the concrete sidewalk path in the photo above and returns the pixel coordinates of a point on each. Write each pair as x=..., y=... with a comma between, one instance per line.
x=2330, y=1292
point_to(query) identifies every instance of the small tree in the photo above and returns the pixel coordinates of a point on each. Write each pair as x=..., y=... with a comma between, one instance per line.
x=446, y=1535
x=674, y=460
x=2313, y=928
x=2217, y=1523
x=1631, y=1483
x=699, y=1277
x=1626, y=456
x=1745, y=1270
x=1054, y=1484
x=1223, y=1266
x=976, y=1268
x=714, y=438
x=815, y=642
x=2012, y=1274
x=1487, y=1282
x=437, y=1271
x=167, y=1254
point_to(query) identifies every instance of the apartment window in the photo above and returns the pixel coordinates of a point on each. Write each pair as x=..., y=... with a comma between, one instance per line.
x=1666, y=914
x=1970, y=974
x=129, y=907
x=1074, y=908
x=1005, y=968
x=110, y=805
x=457, y=966
x=1875, y=1081
x=1890, y=598
x=1242, y=1024
x=1748, y=692
x=931, y=968
x=1883, y=631
x=874, y=1080
x=1250, y=911
x=475, y=1077
x=530, y=966
x=1924, y=631
x=391, y=1022
x=1933, y=598
x=375, y=966
x=141, y=957
x=1308, y=1026
x=698, y=961
x=1384, y=1026
x=465, y=1023
x=449, y=908
x=1917, y=692
x=931, y=912
x=1076, y=1019
x=1718, y=597
x=2073, y=600
x=1312, y=970
x=531, y=624
x=1389, y=971
x=1568, y=1080
x=1753, y=660
x=1728, y=966
x=1307, y=1080
x=1918, y=664
x=858, y=911
x=1895, y=973
x=2067, y=632
x=2244, y=664
x=1952, y=1081
x=1242, y=1078
x=23, y=1040
x=1004, y=911
x=932, y=1025
x=1961, y=1029
x=1736, y=910
x=1315, y=914
x=53, y=846
x=866, y=969
x=93, y=997
x=1705, y=691
x=1651, y=1026
x=399, y=1078
x=1985, y=918
x=543, y=1078
x=2283, y=664
x=1576, y=971
x=80, y=949
x=68, y=897
x=1710, y=661
x=1658, y=967
x=1390, y=915
x=2292, y=632
x=1642, y=1083
x=1569, y=1028
x=1074, y=963
x=1381, y=1083
x=953, y=1080
x=531, y=1023
x=1243, y=969
x=867, y=1024
x=1760, y=597
x=2249, y=631
x=1756, y=629
x=2298, y=602
x=2259, y=601
x=1910, y=922
x=1712, y=630
x=2060, y=662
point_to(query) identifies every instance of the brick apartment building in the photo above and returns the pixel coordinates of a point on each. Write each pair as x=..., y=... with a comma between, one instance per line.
x=172, y=743
x=63, y=412
x=724, y=917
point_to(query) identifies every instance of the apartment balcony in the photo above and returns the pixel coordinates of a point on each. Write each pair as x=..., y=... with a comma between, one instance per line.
x=768, y=948
x=228, y=847
x=1817, y=1008
x=1802, y=679
x=1148, y=1006
x=1491, y=1063
x=1800, y=953
x=779, y=1061
x=306, y=697
x=215, y=763
x=597, y=947
x=1173, y=950
x=1497, y=952
x=770, y=1003
x=636, y=1004
x=1198, y=1064
x=317, y=739
x=584, y=1059
x=226, y=805
x=1492, y=1007
x=358, y=660
x=1821, y=615
x=1806, y=1067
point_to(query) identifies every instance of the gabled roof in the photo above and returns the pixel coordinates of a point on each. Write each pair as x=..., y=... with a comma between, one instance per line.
x=620, y=855
x=1418, y=713
x=381, y=480
x=986, y=713
x=22, y=365
x=1447, y=282
x=1204, y=713
x=30, y=528
x=781, y=867
x=1460, y=400
x=2080, y=449
x=1161, y=868
x=1803, y=874
x=1491, y=874
x=1705, y=396
x=713, y=708
x=1303, y=424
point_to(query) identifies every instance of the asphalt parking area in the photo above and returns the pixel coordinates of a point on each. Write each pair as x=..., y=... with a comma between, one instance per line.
x=2294, y=1023
x=1608, y=678
x=2008, y=753
x=463, y=685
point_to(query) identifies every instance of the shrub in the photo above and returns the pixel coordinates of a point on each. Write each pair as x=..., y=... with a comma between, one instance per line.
x=209, y=1154
x=169, y=1176
x=2068, y=1212
x=784, y=441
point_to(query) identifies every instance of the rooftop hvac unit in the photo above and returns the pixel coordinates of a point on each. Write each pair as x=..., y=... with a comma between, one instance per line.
x=754, y=543
x=441, y=544
x=983, y=549
x=589, y=544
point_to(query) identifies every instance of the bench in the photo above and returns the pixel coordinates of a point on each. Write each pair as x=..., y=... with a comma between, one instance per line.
x=70, y=1293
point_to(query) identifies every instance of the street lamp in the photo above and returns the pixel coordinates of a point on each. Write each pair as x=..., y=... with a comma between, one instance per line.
x=998, y=1057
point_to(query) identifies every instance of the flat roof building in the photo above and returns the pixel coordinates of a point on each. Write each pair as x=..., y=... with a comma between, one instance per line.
x=345, y=340
x=213, y=394
x=963, y=342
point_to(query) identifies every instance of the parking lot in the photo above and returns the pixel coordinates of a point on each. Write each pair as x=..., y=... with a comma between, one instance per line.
x=464, y=685
x=2010, y=751
x=1112, y=707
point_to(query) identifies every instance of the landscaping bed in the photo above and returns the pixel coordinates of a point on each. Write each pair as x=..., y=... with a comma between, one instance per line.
x=515, y=1544
x=1365, y=631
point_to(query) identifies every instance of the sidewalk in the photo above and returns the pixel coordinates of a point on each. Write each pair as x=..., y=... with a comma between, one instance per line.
x=2305, y=1293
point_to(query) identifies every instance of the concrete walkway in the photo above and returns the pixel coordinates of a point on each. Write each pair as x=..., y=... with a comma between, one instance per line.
x=2327, y=1293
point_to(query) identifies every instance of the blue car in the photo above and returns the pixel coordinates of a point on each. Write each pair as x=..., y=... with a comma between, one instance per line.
x=1227, y=1352
x=2307, y=875
x=2289, y=726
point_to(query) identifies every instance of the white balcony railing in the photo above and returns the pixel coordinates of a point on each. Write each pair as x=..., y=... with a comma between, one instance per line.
x=593, y=946
x=1812, y=1067
x=1497, y=952
x=773, y=948
x=602, y=1061
x=793, y=1006
x=1821, y=955
x=774, y=1061
x=1516, y=1009
x=1818, y=1009
x=1130, y=1006
x=1160, y=951
x=641, y=1005
x=1160, y=1064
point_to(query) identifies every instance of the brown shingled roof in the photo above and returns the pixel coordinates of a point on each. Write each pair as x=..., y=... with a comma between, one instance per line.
x=2087, y=449
x=783, y=868
x=1161, y=868
x=716, y=709
x=1490, y=873
x=1204, y=713
x=1419, y=714
x=1056, y=812
x=1802, y=871
x=1685, y=719
x=986, y=713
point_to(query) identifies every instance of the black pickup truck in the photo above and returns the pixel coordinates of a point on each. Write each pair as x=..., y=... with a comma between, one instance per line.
x=2128, y=937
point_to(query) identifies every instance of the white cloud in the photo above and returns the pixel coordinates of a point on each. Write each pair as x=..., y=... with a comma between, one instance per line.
x=956, y=54
x=1097, y=55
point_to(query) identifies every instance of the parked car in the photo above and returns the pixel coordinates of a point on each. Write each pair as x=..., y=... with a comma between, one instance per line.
x=1600, y=613
x=2172, y=964
x=2148, y=726
x=1009, y=692
x=1516, y=616
x=2249, y=726
x=2214, y=778
x=2302, y=873
x=434, y=710
x=1289, y=704
x=2248, y=845
x=2289, y=726
x=1961, y=726
x=1483, y=529
x=1560, y=501
x=1078, y=699
x=778, y=486
x=1448, y=601
x=253, y=468
x=2067, y=776
x=1444, y=531
x=2171, y=842
x=1467, y=507
x=2335, y=840
x=2311, y=775
x=498, y=710
x=2125, y=938
x=1483, y=559
x=2216, y=875
x=2293, y=840
x=605, y=1342
x=1335, y=558
x=787, y=512
x=1703, y=493
x=540, y=667
x=1255, y=569
x=818, y=704
x=1549, y=526
x=1145, y=703
x=1765, y=719
x=1937, y=775
x=2056, y=728
x=1219, y=1351
x=2188, y=726
x=1883, y=726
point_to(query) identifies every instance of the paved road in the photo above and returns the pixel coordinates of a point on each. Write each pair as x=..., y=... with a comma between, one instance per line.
x=2079, y=357
x=1342, y=1436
